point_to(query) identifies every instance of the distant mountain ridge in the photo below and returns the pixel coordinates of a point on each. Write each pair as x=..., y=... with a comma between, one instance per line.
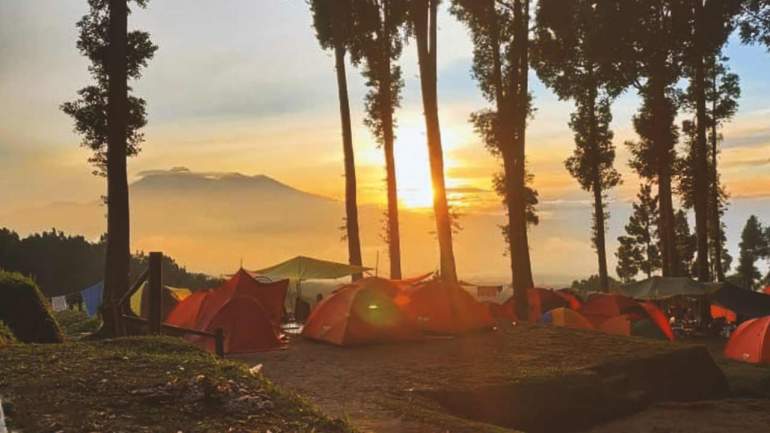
x=182, y=180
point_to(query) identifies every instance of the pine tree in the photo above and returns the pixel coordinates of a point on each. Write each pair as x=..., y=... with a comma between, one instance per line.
x=722, y=93
x=638, y=250
x=500, y=34
x=686, y=244
x=333, y=23
x=753, y=247
x=110, y=120
x=378, y=43
x=755, y=22
x=572, y=57
x=423, y=16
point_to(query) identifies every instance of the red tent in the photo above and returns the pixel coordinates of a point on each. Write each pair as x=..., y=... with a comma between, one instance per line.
x=270, y=295
x=444, y=308
x=248, y=311
x=751, y=342
x=766, y=290
x=246, y=325
x=718, y=311
x=360, y=313
x=539, y=301
x=658, y=317
x=574, y=302
x=601, y=307
x=185, y=313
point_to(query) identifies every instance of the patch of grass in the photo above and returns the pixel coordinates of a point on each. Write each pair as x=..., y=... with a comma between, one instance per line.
x=145, y=384
x=75, y=323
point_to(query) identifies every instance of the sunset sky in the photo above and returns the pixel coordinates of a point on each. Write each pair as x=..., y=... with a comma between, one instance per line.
x=242, y=86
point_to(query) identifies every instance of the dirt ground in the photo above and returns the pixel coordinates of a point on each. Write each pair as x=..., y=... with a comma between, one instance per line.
x=720, y=416
x=378, y=388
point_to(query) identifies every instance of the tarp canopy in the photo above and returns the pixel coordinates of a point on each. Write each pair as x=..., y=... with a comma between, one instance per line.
x=666, y=287
x=746, y=303
x=308, y=268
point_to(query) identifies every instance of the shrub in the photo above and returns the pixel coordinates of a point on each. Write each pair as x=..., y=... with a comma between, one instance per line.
x=74, y=323
x=6, y=336
x=25, y=311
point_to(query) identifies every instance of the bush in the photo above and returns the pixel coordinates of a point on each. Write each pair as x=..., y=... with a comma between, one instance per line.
x=74, y=323
x=6, y=336
x=25, y=311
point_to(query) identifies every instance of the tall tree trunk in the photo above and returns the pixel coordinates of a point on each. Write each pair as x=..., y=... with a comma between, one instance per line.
x=522, y=277
x=663, y=147
x=716, y=236
x=597, y=188
x=118, y=232
x=426, y=35
x=351, y=204
x=394, y=233
x=701, y=154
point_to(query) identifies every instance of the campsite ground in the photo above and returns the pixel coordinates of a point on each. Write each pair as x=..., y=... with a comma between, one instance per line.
x=409, y=387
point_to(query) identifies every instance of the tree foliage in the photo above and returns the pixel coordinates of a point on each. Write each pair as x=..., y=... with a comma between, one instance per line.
x=89, y=111
x=638, y=250
x=755, y=22
x=61, y=263
x=754, y=246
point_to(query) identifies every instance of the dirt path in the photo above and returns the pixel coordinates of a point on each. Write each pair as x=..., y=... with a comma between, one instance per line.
x=380, y=388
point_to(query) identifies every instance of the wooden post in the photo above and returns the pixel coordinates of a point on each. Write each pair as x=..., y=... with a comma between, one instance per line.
x=219, y=341
x=155, y=286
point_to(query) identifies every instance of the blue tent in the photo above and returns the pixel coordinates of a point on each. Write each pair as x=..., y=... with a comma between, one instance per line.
x=92, y=297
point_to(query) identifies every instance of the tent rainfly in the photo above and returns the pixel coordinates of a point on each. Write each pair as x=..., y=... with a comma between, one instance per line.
x=656, y=288
x=307, y=268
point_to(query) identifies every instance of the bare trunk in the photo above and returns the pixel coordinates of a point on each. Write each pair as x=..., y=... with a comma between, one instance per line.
x=663, y=148
x=719, y=272
x=426, y=30
x=118, y=231
x=597, y=188
x=522, y=274
x=701, y=157
x=351, y=205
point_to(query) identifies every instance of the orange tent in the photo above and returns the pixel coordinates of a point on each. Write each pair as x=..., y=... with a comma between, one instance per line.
x=630, y=324
x=360, y=313
x=539, y=301
x=185, y=313
x=618, y=325
x=718, y=311
x=567, y=318
x=444, y=308
x=751, y=342
x=246, y=325
x=766, y=290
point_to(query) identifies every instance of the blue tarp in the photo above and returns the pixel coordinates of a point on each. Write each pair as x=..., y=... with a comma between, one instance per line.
x=92, y=297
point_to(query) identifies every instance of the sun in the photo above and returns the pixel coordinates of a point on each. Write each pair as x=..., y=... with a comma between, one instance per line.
x=413, y=169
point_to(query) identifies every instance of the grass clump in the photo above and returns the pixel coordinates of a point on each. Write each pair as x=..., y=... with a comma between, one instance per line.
x=6, y=335
x=145, y=384
x=25, y=311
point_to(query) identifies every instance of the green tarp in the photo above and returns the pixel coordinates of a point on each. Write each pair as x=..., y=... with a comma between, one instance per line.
x=307, y=268
x=666, y=287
